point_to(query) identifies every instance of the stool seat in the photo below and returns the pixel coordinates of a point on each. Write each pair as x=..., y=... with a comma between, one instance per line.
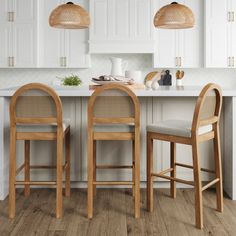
x=34, y=128
x=177, y=128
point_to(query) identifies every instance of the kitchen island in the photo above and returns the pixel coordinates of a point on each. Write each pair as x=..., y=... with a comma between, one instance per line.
x=161, y=104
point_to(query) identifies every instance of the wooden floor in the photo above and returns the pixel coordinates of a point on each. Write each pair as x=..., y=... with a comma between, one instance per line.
x=113, y=215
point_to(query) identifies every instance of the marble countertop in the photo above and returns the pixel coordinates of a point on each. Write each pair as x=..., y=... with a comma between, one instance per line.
x=162, y=91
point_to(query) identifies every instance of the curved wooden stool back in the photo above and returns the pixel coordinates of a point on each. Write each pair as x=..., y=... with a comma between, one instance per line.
x=37, y=104
x=116, y=105
x=207, y=113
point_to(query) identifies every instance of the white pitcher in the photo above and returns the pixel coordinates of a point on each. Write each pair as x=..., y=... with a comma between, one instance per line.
x=117, y=66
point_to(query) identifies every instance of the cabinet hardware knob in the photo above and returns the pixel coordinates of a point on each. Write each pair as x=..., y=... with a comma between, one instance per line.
x=232, y=61
x=13, y=61
x=176, y=61
x=180, y=61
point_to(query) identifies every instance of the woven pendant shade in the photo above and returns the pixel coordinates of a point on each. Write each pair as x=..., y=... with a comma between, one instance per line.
x=69, y=16
x=174, y=16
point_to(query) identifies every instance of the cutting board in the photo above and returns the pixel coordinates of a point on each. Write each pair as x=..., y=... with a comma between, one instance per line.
x=131, y=86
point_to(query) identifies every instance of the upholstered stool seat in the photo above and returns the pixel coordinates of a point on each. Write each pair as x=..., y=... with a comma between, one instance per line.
x=181, y=128
x=42, y=127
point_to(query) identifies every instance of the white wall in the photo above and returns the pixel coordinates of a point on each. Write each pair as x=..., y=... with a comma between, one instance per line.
x=101, y=65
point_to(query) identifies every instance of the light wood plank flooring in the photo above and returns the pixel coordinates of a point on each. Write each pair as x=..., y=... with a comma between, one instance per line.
x=113, y=215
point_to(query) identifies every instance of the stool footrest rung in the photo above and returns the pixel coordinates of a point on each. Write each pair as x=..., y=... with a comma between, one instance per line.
x=20, y=169
x=214, y=181
x=35, y=183
x=191, y=167
x=113, y=183
x=113, y=167
x=172, y=178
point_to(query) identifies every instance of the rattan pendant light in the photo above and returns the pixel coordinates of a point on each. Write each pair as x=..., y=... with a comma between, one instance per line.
x=69, y=16
x=174, y=16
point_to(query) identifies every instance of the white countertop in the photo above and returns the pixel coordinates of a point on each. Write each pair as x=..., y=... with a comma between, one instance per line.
x=162, y=91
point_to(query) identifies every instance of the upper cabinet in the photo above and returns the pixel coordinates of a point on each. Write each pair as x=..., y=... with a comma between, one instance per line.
x=18, y=33
x=121, y=26
x=220, y=33
x=61, y=48
x=180, y=48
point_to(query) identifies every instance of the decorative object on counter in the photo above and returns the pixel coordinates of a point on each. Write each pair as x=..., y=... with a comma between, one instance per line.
x=166, y=78
x=130, y=86
x=72, y=80
x=179, y=77
x=117, y=66
x=105, y=79
x=174, y=16
x=69, y=16
x=150, y=77
x=136, y=75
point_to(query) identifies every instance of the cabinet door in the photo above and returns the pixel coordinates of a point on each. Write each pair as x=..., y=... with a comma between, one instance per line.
x=232, y=53
x=24, y=46
x=24, y=33
x=143, y=20
x=5, y=45
x=99, y=11
x=5, y=33
x=76, y=45
x=51, y=40
x=76, y=49
x=217, y=33
x=165, y=53
x=190, y=45
x=166, y=44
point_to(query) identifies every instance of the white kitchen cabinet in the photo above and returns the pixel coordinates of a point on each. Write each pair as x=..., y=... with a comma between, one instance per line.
x=121, y=26
x=180, y=48
x=61, y=48
x=217, y=33
x=18, y=33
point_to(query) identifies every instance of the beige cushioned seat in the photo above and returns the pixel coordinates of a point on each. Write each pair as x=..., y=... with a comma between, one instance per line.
x=114, y=128
x=177, y=128
x=41, y=127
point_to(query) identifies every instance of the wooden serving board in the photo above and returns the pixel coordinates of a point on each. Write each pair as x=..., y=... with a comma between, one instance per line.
x=131, y=86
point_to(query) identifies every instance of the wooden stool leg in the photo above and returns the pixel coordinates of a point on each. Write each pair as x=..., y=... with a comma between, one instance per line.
x=137, y=174
x=27, y=167
x=149, y=173
x=59, y=175
x=218, y=168
x=90, y=175
x=133, y=165
x=94, y=166
x=67, y=143
x=198, y=185
x=12, y=175
x=173, y=173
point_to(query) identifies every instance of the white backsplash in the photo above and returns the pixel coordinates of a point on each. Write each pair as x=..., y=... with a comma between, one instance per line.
x=101, y=65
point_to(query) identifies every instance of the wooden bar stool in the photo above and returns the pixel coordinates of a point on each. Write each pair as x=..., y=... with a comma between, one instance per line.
x=113, y=114
x=205, y=126
x=36, y=114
